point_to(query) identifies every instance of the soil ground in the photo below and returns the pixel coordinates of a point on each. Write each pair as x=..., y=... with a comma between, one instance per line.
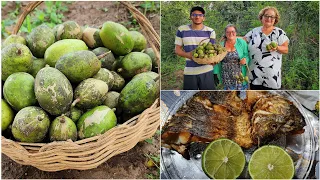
x=128, y=165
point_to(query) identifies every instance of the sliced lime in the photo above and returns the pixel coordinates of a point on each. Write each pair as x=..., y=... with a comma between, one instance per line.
x=271, y=162
x=223, y=159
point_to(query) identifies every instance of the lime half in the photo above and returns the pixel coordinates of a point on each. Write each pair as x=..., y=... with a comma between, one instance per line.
x=223, y=159
x=271, y=162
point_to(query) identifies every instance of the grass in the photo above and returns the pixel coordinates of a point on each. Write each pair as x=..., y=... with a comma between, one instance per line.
x=172, y=73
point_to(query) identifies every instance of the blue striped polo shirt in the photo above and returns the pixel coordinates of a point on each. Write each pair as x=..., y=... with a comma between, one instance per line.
x=190, y=39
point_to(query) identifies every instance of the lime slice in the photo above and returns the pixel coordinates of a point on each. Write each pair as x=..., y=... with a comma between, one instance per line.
x=223, y=159
x=271, y=162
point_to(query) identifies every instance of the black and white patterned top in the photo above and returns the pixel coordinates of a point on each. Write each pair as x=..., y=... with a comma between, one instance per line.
x=265, y=66
x=230, y=68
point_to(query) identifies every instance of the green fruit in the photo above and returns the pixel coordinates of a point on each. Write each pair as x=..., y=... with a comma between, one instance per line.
x=91, y=36
x=13, y=38
x=96, y=121
x=18, y=90
x=118, y=82
x=134, y=63
x=138, y=94
x=107, y=61
x=210, y=55
x=152, y=55
x=78, y=66
x=7, y=115
x=246, y=78
x=223, y=159
x=201, y=56
x=271, y=162
x=62, y=128
x=205, y=56
x=112, y=99
x=36, y=66
x=62, y=47
x=40, y=39
x=200, y=52
x=53, y=91
x=195, y=55
x=31, y=124
x=154, y=76
x=140, y=42
x=90, y=93
x=75, y=114
x=69, y=30
x=274, y=44
x=117, y=38
x=269, y=47
x=15, y=58
x=106, y=76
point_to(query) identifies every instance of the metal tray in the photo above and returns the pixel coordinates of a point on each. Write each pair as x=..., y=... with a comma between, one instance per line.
x=301, y=147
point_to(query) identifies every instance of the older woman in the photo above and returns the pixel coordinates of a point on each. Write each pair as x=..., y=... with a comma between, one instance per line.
x=233, y=66
x=266, y=61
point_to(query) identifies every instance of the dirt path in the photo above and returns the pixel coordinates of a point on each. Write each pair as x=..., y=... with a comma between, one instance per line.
x=128, y=165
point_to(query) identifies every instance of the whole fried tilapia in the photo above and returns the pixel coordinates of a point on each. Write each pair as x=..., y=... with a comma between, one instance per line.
x=210, y=115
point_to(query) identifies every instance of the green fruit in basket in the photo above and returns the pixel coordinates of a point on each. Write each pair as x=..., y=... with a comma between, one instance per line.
x=74, y=114
x=90, y=93
x=69, y=30
x=201, y=56
x=211, y=55
x=112, y=99
x=13, y=38
x=53, y=91
x=78, y=66
x=108, y=60
x=152, y=55
x=91, y=36
x=62, y=47
x=40, y=39
x=154, y=76
x=18, y=90
x=62, y=128
x=211, y=51
x=106, y=76
x=36, y=66
x=195, y=55
x=205, y=56
x=209, y=44
x=200, y=52
x=138, y=94
x=140, y=42
x=31, y=124
x=96, y=121
x=15, y=58
x=7, y=115
x=118, y=82
x=200, y=47
x=271, y=162
x=134, y=63
x=223, y=159
x=117, y=38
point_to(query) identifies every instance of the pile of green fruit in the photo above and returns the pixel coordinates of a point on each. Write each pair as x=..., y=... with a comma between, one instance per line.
x=241, y=79
x=208, y=50
x=272, y=45
x=70, y=82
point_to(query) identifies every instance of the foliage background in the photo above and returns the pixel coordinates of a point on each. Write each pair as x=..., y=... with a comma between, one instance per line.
x=300, y=20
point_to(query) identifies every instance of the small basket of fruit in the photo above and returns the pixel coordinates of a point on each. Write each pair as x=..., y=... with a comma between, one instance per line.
x=208, y=53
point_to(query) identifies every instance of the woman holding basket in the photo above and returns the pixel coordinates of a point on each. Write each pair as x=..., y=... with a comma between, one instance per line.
x=232, y=70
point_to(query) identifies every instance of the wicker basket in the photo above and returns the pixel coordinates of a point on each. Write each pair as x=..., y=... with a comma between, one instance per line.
x=91, y=152
x=210, y=60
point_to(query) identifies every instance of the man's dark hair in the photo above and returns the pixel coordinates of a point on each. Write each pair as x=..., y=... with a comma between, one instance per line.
x=197, y=8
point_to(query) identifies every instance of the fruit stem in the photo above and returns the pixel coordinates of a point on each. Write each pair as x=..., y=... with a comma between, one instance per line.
x=62, y=120
x=75, y=102
x=103, y=55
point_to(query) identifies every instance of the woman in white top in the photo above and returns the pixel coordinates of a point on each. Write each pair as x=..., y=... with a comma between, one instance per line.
x=265, y=65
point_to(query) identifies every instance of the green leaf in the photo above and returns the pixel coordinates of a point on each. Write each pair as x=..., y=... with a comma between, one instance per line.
x=148, y=141
x=53, y=17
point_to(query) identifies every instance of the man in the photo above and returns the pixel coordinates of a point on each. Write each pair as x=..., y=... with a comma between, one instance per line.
x=188, y=37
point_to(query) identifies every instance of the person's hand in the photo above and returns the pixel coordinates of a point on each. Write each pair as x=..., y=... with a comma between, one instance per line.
x=189, y=54
x=273, y=49
x=243, y=61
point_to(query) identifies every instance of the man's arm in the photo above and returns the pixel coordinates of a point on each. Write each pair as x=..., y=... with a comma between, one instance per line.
x=180, y=52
